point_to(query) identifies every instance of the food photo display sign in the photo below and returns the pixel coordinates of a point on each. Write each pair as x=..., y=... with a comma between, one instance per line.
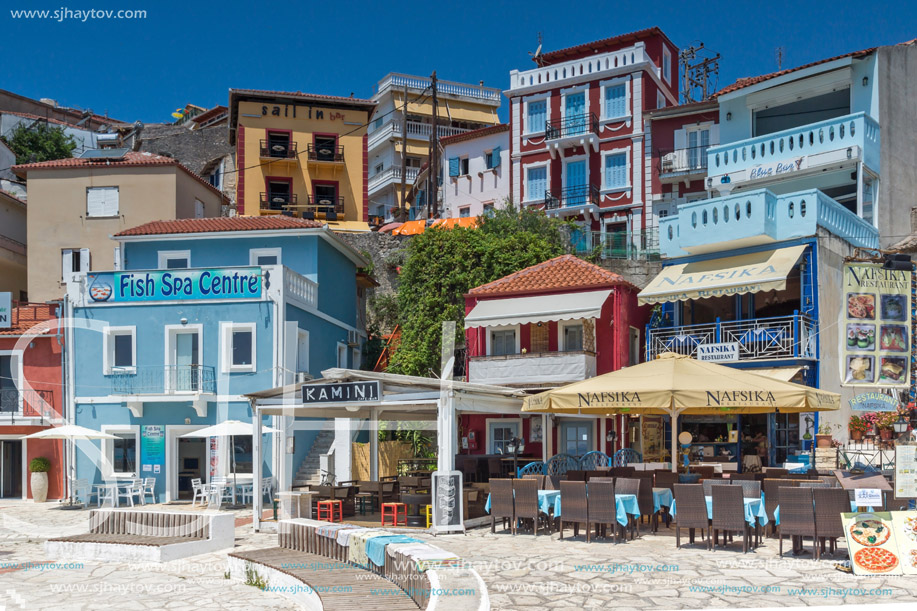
x=882, y=542
x=874, y=323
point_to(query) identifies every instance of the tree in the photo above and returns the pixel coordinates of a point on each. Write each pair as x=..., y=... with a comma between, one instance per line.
x=40, y=142
x=444, y=264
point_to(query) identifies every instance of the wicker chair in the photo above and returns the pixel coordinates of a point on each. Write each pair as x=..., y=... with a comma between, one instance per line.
x=750, y=489
x=772, y=500
x=629, y=485
x=576, y=476
x=666, y=479
x=744, y=477
x=541, y=479
x=775, y=472
x=708, y=485
x=622, y=472
x=645, y=501
x=526, y=500
x=575, y=507
x=597, y=473
x=469, y=469
x=830, y=503
x=501, y=504
x=892, y=502
x=797, y=517
x=553, y=482
x=706, y=472
x=602, y=508
x=813, y=483
x=692, y=512
x=603, y=479
x=729, y=514
x=831, y=480
x=494, y=468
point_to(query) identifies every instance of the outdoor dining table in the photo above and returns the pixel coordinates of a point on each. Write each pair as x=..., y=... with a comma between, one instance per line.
x=755, y=513
x=625, y=504
x=115, y=487
x=662, y=497
x=546, y=501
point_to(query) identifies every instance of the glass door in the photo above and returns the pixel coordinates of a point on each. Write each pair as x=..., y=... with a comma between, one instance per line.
x=186, y=368
x=576, y=438
x=784, y=437
x=10, y=469
x=575, y=113
x=575, y=192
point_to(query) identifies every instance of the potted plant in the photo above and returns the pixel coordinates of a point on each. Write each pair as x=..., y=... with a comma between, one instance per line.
x=823, y=438
x=39, y=466
x=857, y=427
x=885, y=423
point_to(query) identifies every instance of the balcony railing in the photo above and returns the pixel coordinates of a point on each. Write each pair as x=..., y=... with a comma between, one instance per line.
x=533, y=368
x=569, y=197
x=278, y=150
x=682, y=161
x=299, y=288
x=758, y=339
x=857, y=133
x=398, y=82
x=277, y=201
x=621, y=61
x=392, y=175
x=634, y=245
x=578, y=125
x=163, y=379
x=16, y=403
x=329, y=153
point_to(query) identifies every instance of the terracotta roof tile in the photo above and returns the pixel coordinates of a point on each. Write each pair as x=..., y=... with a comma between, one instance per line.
x=565, y=272
x=475, y=133
x=26, y=115
x=599, y=46
x=25, y=316
x=217, y=224
x=304, y=96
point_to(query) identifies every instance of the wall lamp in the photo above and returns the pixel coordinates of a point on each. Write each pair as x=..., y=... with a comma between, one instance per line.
x=729, y=116
x=865, y=81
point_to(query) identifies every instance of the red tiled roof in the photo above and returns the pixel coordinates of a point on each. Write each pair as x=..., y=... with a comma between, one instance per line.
x=475, y=133
x=217, y=224
x=304, y=96
x=742, y=83
x=131, y=159
x=565, y=272
x=209, y=114
x=25, y=316
x=26, y=115
x=600, y=46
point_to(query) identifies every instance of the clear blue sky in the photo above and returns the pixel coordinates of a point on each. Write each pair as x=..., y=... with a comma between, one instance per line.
x=193, y=52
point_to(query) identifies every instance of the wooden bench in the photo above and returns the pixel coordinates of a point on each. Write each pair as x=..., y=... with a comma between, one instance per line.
x=152, y=536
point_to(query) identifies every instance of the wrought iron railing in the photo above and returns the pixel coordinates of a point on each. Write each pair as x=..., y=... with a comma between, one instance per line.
x=689, y=159
x=325, y=153
x=758, y=338
x=278, y=150
x=326, y=205
x=861, y=457
x=16, y=403
x=277, y=201
x=576, y=125
x=634, y=245
x=164, y=379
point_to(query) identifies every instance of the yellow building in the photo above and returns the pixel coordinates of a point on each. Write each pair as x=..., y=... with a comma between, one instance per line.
x=301, y=155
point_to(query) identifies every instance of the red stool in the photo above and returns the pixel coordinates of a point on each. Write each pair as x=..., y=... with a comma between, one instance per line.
x=331, y=511
x=397, y=512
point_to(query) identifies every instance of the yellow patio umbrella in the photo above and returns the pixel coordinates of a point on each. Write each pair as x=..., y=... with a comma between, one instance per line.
x=674, y=384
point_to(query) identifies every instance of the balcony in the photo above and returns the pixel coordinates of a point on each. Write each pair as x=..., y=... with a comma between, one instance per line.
x=759, y=217
x=532, y=369
x=799, y=150
x=416, y=130
x=600, y=65
x=682, y=164
x=331, y=208
x=19, y=404
x=278, y=202
x=391, y=176
x=278, y=151
x=573, y=200
x=758, y=339
x=632, y=245
x=579, y=130
x=300, y=290
x=325, y=154
x=163, y=380
x=417, y=84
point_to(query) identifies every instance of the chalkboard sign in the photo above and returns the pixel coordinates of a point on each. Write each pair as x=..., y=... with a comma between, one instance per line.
x=447, y=501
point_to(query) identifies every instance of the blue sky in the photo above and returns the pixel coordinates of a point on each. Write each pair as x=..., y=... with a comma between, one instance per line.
x=194, y=52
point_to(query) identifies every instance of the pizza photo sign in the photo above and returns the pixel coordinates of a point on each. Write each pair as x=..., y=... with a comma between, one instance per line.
x=872, y=544
x=904, y=525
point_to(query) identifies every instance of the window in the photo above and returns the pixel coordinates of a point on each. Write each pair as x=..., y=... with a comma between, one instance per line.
x=216, y=177
x=488, y=209
x=615, y=101
x=325, y=198
x=575, y=437
x=667, y=64
x=492, y=158
x=264, y=256
x=279, y=193
x=342, y=356
x=74, y=261
x=278, y=144
x=174, y=259
x=10, y=375
x=242, y=454
x=463, y=166
x=660, y=100
x=120, y=354
x=198, y=209
x=537, y=115
x=101, y=202
x=503, y=342
x=120, y=454
x=238, y=347
x=412, y=162
x=377, y=123
x=634, y=342
x=378, y=169
x=573, y=337
x=355, y=358
x=302, y=351
x=501, y=432
x=325, y=148
x=465, y=212
x=536, y=183
x=616, y=171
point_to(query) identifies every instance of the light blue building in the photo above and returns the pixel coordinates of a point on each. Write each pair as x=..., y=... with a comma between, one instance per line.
x=198, y=313
x=808, y=167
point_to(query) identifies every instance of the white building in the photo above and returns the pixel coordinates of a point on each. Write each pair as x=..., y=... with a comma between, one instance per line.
x=475, y=171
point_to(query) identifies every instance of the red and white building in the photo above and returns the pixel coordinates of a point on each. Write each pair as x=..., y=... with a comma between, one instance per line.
x=561, y=321
x=577, y=137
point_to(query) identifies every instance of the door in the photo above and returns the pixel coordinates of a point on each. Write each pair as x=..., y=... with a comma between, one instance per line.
x=10, y=469
x=278, y=194
x=302, y=351
x=575, y=113
x=192, y=458
x=575, y=192
x=783, y=438
x=698, y=141
x=9, y=396
x=326, y=197
x=576, y=438
x=186, y=376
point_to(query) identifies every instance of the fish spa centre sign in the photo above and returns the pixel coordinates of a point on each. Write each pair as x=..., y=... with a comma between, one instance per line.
x=176, y=284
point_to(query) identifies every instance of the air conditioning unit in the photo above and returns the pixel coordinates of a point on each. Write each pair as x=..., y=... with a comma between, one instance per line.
x=353, y=338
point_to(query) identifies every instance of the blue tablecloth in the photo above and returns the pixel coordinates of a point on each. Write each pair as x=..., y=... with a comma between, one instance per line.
x=624, y=504
x=662, y=496
x=754, y=508
x=375, y=547
x=853, y=507
x=545, y=500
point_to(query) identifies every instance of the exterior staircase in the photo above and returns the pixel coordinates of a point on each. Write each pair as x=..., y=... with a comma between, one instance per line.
x=310, y=470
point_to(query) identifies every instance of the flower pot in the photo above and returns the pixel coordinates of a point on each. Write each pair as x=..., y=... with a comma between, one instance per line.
x=886, y=434
x=39, y=487
x=823, y=441
x=856, y=435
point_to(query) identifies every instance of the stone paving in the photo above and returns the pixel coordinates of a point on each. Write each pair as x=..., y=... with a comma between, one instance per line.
x=521, y=572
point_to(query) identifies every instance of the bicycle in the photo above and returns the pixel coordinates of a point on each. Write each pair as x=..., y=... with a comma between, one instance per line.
x=327, y=478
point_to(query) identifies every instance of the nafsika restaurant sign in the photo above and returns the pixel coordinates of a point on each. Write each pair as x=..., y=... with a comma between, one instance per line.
x=875, y=326
x=175, y=284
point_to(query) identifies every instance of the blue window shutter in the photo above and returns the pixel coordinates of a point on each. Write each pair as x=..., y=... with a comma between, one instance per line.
x=453, y=166
x=615, y=101
x=495, y=157
x=616, y=170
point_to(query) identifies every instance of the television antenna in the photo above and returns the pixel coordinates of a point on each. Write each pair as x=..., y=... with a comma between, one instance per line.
x=536, y=56
x=779, y=52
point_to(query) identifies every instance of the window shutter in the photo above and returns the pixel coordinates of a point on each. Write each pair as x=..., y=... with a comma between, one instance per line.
x=84, y=260
x=495, y=157
x=66, y=265
x=454, y=166
x=102, y=201
x=117, y=265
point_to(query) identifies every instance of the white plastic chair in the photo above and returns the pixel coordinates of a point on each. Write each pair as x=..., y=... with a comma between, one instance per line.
x=106, y=493
x=130, y=490
x=148, y=488
x=79, y=488
x=199, y=490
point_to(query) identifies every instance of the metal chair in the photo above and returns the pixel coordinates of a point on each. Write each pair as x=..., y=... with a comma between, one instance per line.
x=829, y=503
x=601, y=508
x=692, y=512
x=797, y=517
x=501, y=504
x=729, y=514
x=575, y=508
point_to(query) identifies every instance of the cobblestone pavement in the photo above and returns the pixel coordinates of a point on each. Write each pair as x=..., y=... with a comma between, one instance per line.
x=521, y=572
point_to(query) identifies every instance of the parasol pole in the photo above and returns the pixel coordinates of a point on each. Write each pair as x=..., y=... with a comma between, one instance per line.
x=674, y=418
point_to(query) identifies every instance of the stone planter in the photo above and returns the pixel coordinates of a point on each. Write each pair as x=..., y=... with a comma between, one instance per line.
x=823, y=441
x=39, y=483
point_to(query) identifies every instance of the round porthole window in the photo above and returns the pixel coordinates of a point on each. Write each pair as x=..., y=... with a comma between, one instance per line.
x=852, y=129
x=704, y=217
x=802, y=208
x=670, y=232
x=790, y=210
x=738, y=213
x=716, y=216
x=694, y=219
x=781, y=145
x=791, y=143
x=840, y=131
x=716, y=159
x=743, y=153
x=821, y=136
x=748, y=209
x=772, y=147
x=726, y=213
x=753, y=150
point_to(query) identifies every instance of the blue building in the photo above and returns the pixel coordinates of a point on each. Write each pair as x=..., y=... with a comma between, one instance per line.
x=807, y=168
x=198, y=313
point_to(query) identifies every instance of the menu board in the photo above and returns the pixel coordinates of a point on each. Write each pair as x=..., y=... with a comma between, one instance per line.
x=906, y=471
x=904, y=525
x=447, y=501
x=152, y=447
x=652, y=438
x=874, y=318
x=872, y=544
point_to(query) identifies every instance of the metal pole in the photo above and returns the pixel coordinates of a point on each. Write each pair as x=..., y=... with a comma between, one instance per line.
x=434, y=152
x=404, y=152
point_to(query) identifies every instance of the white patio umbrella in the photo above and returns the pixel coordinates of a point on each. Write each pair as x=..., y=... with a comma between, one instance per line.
x=230, y=428
x=71, y=433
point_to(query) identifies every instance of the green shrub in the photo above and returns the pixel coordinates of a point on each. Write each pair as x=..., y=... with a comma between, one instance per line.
x=40, y=464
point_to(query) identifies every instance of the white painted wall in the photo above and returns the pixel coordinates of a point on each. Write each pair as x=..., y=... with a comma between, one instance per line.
x=481, y=186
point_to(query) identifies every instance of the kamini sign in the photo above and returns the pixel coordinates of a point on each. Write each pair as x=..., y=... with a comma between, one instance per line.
x=718, y=353
x=342, y=392
x=170, y=285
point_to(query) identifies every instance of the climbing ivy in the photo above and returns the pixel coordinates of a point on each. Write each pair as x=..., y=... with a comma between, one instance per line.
x=442, y=265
